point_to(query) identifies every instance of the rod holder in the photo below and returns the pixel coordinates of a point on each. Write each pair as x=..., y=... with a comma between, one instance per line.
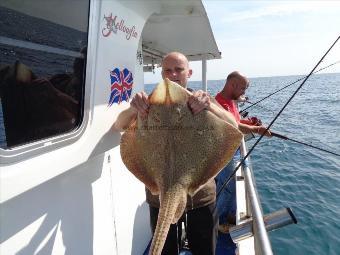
x=272, y=221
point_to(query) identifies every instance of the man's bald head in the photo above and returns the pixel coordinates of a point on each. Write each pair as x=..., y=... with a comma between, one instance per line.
x=236, y=75
x=235, y=85
x=175, y=67
x=175, y=55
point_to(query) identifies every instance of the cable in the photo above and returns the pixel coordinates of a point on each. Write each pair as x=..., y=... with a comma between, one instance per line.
x=252, y=104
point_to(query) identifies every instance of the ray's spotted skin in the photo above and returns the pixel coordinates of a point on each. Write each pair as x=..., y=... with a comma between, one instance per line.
x=174, y=152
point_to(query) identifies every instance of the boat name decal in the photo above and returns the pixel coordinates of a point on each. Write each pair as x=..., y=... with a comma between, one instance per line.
x=121, y=86
x=113, y=24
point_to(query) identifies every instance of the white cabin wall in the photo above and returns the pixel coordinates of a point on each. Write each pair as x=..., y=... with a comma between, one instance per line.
x=129, y=209
x=80, y=198
x=60, y=216
x=139, y=73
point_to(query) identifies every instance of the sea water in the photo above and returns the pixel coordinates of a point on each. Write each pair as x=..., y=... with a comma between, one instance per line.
x=292, y=175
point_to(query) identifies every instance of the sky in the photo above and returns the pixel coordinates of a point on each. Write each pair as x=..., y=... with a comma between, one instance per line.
x=269, y=38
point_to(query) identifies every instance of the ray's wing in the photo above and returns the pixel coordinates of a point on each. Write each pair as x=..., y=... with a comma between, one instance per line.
x=218, y=143
x=200, y=146
x=131, y=154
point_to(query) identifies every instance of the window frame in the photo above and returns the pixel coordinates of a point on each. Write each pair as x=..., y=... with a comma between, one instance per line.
x=35, y=148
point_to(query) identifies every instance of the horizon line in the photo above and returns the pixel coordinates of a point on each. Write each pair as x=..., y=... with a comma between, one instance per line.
x=255, y=77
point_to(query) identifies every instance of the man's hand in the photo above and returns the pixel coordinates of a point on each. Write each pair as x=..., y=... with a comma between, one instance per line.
x=199, y=101
x=255, y=121
x=140, y=103
x=252, y=121
x=261, y=130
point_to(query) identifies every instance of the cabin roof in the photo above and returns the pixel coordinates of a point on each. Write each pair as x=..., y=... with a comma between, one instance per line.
x=179, y=26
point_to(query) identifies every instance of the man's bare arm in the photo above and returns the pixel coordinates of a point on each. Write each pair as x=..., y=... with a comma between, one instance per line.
x=139, y=104
x=247, y=129
x=124, y=119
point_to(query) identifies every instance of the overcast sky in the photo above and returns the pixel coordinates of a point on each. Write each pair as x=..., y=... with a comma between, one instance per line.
x=270, y=38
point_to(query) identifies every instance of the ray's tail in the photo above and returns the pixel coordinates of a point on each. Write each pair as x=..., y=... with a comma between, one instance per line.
x=172, y=207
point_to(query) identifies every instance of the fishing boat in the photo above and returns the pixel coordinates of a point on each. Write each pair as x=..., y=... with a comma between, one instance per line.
x=67, y=69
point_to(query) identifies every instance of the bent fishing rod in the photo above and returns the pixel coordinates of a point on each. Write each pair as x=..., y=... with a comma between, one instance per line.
x=243, y=161
x=259, y=101
x=303, y=143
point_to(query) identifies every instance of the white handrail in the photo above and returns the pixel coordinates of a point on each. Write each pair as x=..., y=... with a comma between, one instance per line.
x=204, y=73
x=261, y=239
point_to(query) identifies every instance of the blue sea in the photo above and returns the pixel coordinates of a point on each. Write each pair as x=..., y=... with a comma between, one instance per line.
x=292, y=175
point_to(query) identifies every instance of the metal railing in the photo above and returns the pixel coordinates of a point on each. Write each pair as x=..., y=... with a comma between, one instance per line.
x=256, y=225
x=261, y=239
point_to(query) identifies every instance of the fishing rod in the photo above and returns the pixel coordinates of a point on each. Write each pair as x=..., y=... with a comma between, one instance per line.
x=272, y=122
x=306, y=144
x=253, y=104
x=244, y=113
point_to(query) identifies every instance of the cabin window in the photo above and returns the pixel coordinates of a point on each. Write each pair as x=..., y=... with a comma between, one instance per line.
x=43, y=48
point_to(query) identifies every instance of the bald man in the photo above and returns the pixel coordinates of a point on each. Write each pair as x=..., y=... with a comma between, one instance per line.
x=234, y=88
x=201, y=214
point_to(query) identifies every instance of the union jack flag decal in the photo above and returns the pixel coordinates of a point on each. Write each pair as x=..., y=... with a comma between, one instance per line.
x=121, y=85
